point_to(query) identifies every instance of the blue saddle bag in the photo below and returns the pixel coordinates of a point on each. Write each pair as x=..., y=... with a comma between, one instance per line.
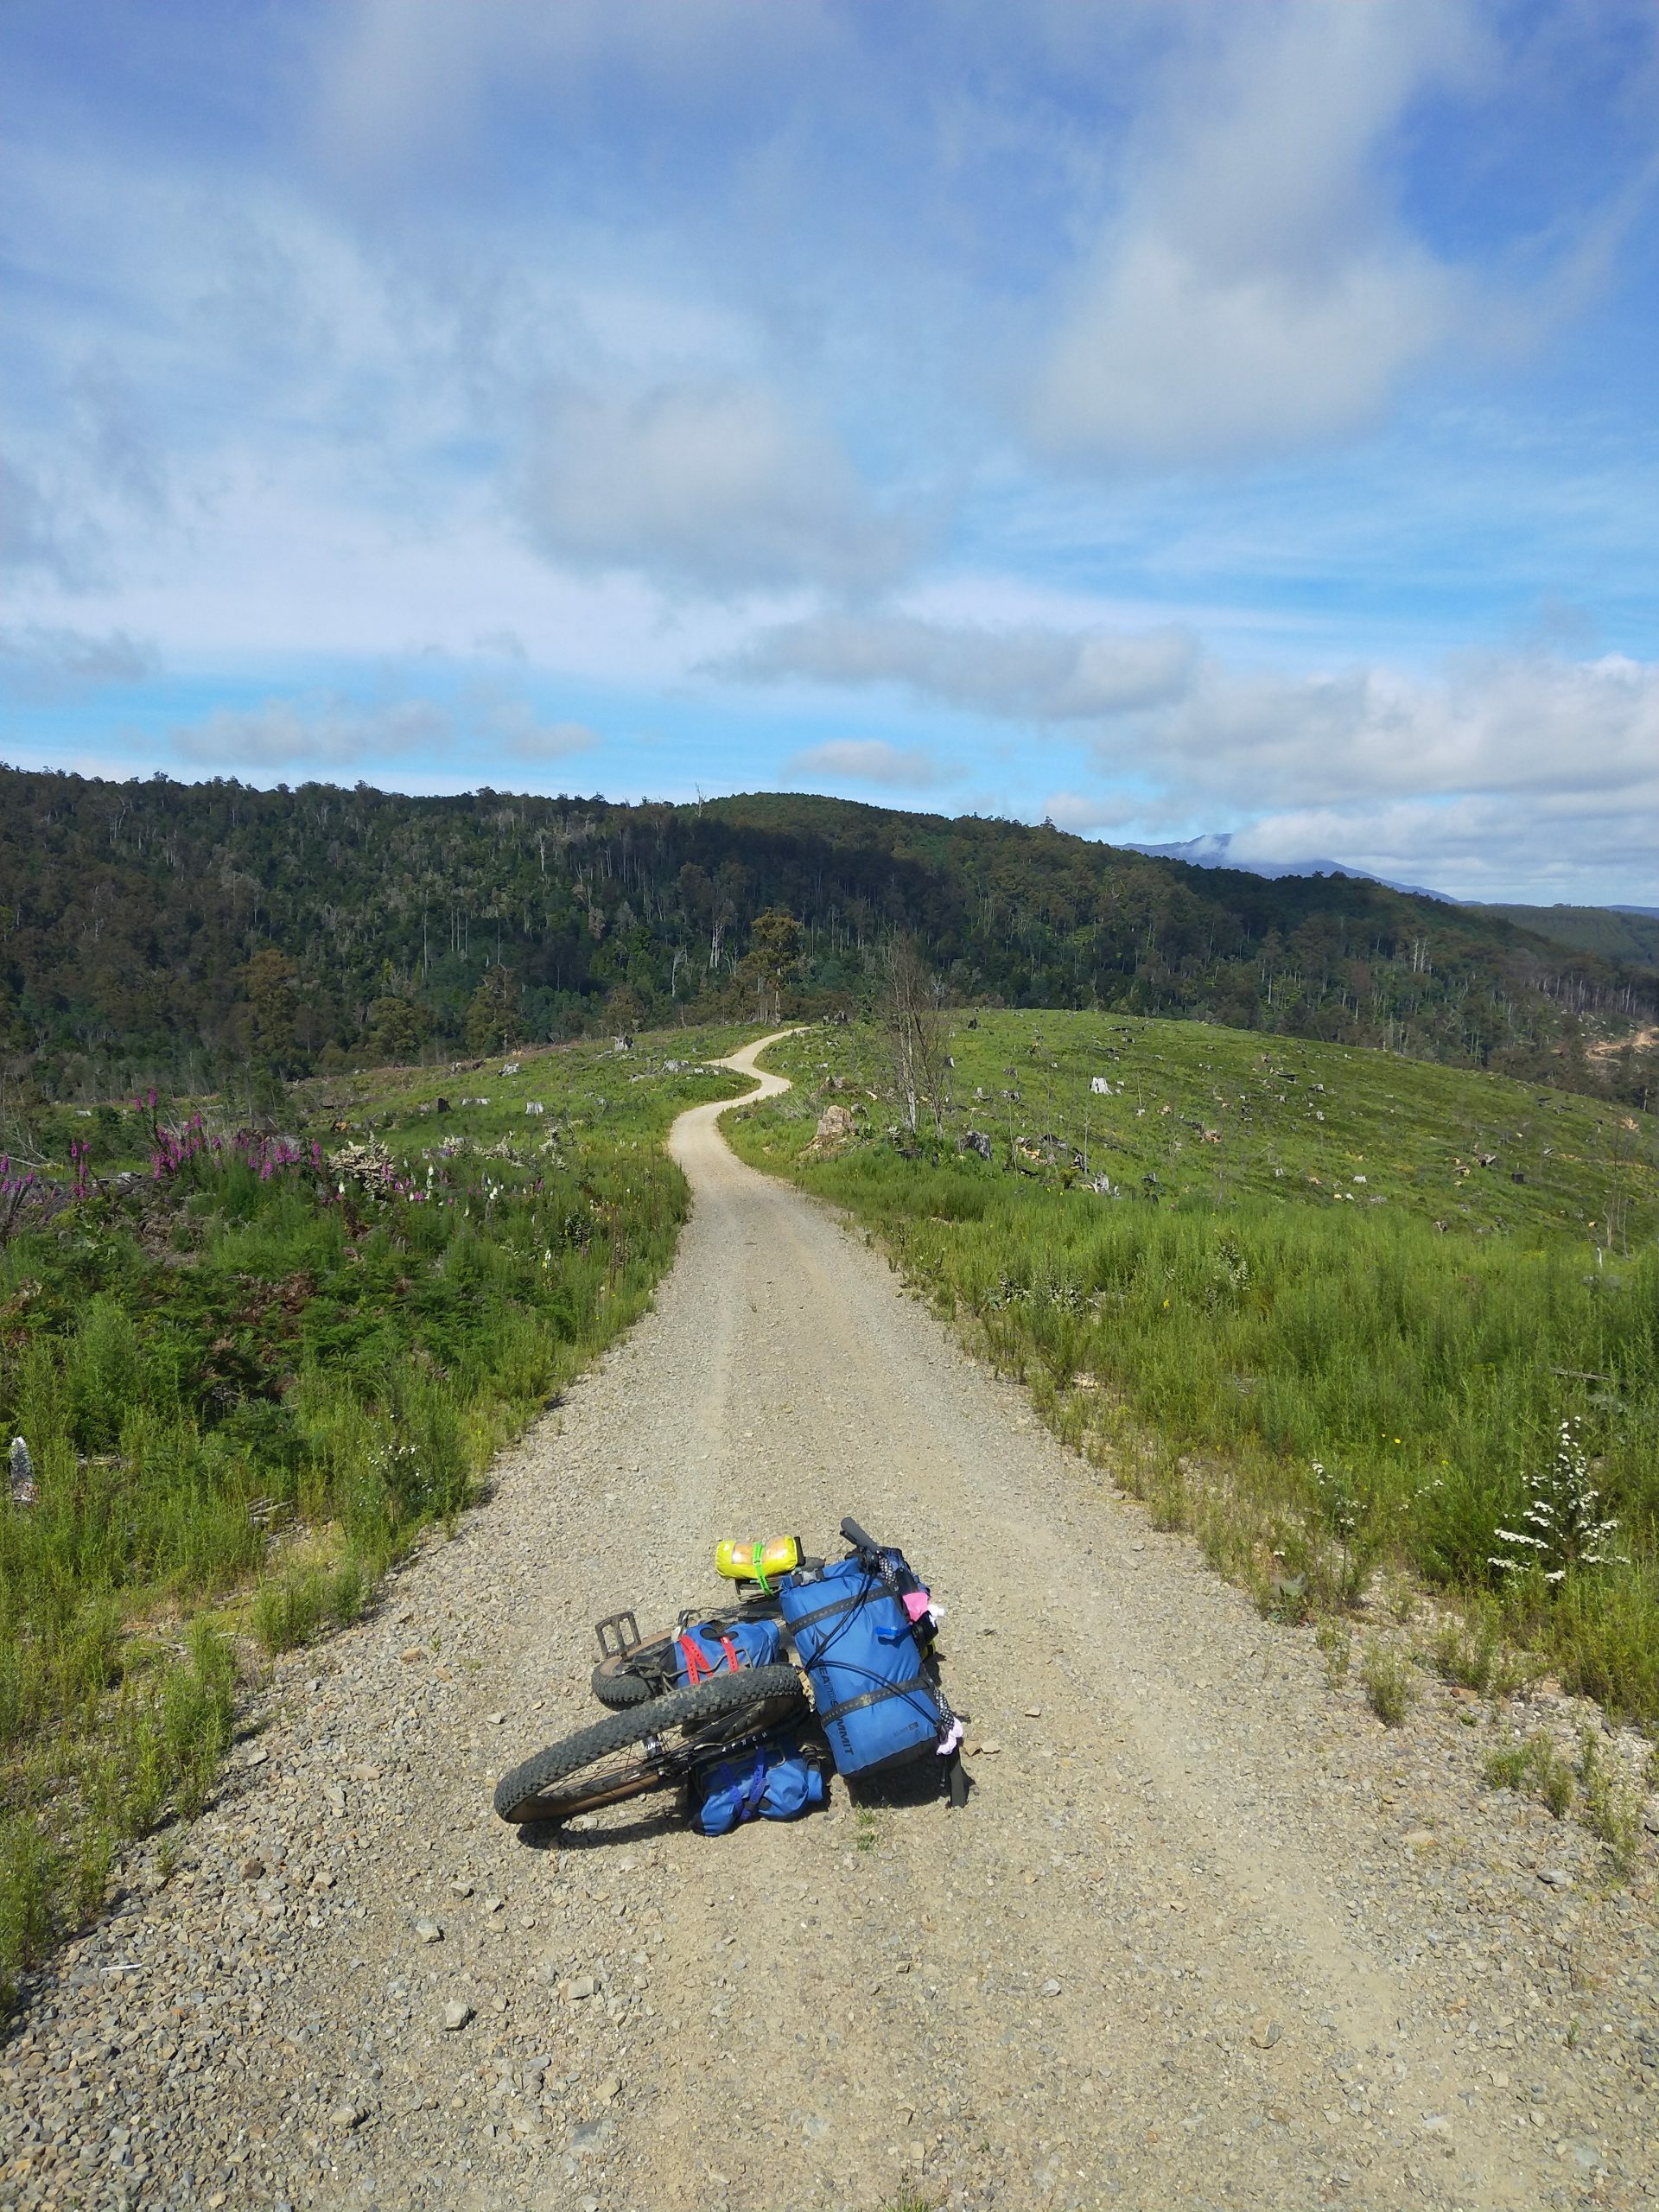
x=756, y=1643
x=773, y=1781
x=872, y=1702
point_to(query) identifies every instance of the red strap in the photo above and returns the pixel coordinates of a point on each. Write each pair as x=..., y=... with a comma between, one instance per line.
x=697, y=1668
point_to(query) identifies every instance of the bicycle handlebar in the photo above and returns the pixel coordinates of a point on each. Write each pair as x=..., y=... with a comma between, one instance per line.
x=858, y=1538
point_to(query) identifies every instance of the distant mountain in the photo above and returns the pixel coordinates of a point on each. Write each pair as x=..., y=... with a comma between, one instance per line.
x=1214, y=850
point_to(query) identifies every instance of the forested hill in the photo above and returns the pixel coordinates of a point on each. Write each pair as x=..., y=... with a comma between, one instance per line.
x=1615, y=933
x=156, y=929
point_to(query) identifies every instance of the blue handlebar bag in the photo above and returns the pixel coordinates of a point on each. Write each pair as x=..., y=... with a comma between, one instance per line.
x=872, y=1699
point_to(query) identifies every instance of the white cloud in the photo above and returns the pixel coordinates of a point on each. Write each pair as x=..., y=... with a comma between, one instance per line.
x=869, y=760
x=327, y=730
x=44, y=659
x=1525, y=724
x=515, y=724
x=1256, y=290
x=311, y=733
x=400, y=85
x=1479, y=766
x=1030, y=673
x=712, y=484
x=1081, y=812
x=39, y=536
x=1521, y=777
x=1477, y=845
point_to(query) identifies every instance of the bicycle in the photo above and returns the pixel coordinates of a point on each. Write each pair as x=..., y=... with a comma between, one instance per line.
x=628, y=1754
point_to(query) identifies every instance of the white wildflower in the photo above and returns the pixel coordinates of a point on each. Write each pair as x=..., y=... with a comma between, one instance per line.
x=1567, y=1527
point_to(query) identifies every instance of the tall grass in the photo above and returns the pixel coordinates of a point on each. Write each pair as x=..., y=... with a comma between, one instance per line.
x=1331, y=1386
x=244, y=1386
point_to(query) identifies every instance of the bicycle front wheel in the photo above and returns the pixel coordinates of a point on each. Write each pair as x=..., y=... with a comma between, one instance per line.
x=618, y=1757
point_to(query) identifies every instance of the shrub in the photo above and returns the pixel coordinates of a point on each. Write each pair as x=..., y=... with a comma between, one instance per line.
x=1388, y=1682
x=198, y=1705
x=1610, y=1808
x=288, y=1609
x=1536, y=1768
x=1567, y=1529
x=1469, y=1652
x=28, y=1877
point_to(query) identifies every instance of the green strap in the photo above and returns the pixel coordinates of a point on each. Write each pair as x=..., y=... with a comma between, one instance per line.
x=759, y=1570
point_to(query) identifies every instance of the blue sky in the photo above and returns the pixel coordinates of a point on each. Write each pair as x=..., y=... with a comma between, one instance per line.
x=1164, y=416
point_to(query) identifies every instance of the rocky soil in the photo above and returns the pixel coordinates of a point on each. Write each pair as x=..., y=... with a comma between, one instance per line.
x=1207, y=1935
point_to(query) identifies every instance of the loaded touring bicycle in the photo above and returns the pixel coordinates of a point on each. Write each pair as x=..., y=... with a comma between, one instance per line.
x=718, y=1709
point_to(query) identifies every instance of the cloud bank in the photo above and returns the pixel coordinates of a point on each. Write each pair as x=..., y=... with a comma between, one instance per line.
x=1017, y=674
x=869, y=760
x=326, y=732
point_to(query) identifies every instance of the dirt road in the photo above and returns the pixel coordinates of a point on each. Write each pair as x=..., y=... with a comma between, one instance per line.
x=1207, y=1936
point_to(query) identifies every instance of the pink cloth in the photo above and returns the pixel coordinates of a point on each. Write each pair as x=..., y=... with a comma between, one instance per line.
x=915, y=1604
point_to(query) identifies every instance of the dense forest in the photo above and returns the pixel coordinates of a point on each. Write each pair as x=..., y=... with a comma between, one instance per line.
x=1615, y=933
x=158, y=930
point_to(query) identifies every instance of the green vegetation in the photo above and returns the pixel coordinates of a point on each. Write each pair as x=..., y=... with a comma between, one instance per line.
x=1630, y=937
x=1351, y=1298
x=1609, y=1807
x=248, y=1368
x=1387, y=1677
x=1605, y=1801
x=1534, y=1769
x=212, y=936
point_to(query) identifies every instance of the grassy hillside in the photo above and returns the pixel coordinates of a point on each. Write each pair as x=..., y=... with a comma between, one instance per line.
x=1331, y=1307
x=1632, y=938
x=248, y=1368
x=205, y=935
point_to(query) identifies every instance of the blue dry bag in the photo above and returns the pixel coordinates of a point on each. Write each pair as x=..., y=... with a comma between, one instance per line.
x=773, y=1781
x=853, y=1638
x=711, y=1650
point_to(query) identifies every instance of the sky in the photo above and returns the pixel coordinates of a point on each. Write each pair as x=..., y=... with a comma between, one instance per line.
x=1165, y=417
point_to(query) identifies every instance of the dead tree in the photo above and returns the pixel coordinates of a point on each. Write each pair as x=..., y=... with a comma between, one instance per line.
x=910, y=1016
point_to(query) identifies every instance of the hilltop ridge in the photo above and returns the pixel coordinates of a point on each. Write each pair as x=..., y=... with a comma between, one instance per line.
x=153, y=928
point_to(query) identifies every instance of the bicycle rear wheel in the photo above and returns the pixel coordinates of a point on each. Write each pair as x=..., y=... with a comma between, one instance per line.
x=620, y=1757
x=646, y=1669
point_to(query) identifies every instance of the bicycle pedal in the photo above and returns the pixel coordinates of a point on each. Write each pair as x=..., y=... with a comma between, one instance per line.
x=618, y=1634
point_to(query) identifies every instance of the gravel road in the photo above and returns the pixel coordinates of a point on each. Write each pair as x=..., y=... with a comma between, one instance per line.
x=1207, y=1936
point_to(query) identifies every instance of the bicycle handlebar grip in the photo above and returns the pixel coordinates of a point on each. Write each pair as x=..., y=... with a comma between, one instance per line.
x=858, y=1538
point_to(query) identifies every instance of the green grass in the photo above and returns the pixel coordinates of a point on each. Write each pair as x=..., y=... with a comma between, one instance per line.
x=1534, y=1769
x=243, y=1393
x=1304, y=1318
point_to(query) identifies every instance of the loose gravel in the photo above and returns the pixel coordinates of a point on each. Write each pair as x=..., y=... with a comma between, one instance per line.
x=1207, y=1936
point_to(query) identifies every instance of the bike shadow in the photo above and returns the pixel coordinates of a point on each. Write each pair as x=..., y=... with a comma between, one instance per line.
x=559, y=1835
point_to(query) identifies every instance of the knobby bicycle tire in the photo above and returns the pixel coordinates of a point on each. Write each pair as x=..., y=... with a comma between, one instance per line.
x=530, y=1790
